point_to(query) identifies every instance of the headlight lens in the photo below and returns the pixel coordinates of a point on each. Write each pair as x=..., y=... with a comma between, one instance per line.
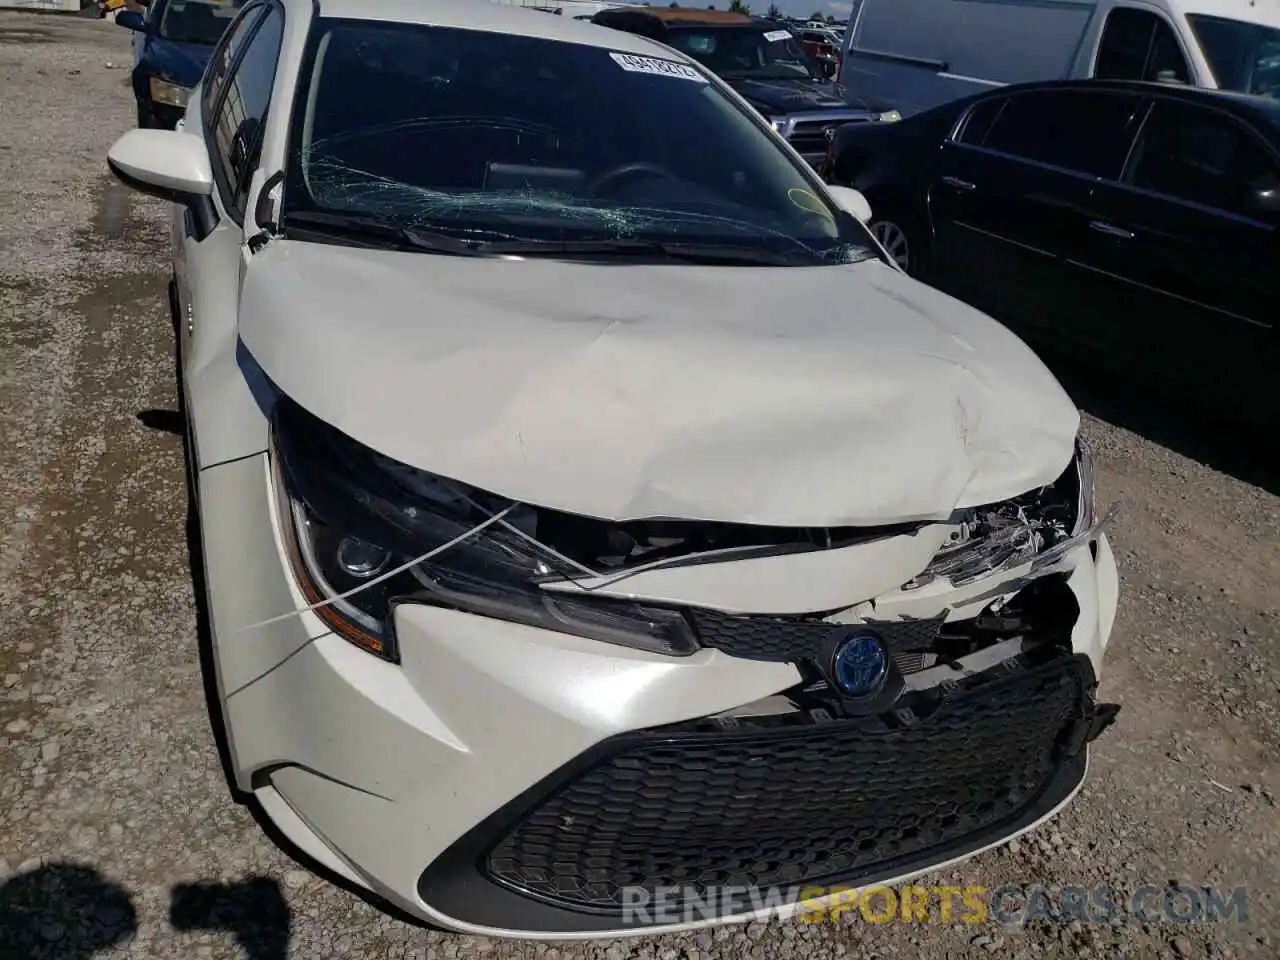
x=162, y=91
x=890, y=116
x=361, y=530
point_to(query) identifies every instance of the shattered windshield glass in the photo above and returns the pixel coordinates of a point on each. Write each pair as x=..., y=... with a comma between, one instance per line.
x=456, y=135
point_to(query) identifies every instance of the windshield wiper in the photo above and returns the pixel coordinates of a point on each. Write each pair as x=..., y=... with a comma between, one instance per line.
x=689, y=252
x=380, y=232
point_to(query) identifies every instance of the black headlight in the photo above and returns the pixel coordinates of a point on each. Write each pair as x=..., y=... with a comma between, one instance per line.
x=365, y=533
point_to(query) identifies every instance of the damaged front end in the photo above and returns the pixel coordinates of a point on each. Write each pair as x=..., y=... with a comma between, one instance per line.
x=1040, y=528
x=919, y=725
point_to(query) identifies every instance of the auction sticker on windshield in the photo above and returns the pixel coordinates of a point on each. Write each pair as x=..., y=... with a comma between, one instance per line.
x=661, y=68
x=774, y=35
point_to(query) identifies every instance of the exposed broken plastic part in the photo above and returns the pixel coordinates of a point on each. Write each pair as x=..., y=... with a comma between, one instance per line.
x=1039, y=528
x=482, y=549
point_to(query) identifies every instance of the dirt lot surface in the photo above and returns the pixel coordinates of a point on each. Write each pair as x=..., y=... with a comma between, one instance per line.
x=118, y=836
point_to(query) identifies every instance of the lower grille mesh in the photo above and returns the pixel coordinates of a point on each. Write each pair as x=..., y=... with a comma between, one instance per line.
x=789, y=639
x=826, y=803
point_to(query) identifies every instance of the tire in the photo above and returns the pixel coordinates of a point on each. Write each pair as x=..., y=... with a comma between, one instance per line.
x=146, y=120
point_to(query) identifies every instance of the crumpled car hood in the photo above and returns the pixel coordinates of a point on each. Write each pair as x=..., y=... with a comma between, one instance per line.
x=828, y=396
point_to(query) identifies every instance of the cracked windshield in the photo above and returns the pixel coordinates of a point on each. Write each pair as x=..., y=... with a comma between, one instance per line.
x=467, y=142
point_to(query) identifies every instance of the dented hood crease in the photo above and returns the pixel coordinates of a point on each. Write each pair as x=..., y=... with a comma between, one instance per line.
x=825, y=396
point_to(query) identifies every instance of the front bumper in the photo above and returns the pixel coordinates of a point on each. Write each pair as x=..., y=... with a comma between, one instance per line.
x=505, y=780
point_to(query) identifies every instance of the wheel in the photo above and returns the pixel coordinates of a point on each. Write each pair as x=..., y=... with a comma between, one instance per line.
x=896, y=242
x=146, y=120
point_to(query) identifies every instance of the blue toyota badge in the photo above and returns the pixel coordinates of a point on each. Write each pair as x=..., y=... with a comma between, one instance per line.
x=860, y=665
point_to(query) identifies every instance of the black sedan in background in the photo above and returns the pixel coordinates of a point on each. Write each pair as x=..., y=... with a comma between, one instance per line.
x=1135, y=222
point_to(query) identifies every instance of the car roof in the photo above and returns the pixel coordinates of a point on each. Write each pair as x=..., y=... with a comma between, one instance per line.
x=1263, y=109
x=493, y=18
x=681, y=16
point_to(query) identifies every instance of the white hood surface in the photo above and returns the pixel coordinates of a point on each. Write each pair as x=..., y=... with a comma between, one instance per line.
x=825, y=396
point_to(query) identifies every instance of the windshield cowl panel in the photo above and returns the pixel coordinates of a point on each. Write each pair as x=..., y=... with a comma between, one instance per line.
x=494, y=140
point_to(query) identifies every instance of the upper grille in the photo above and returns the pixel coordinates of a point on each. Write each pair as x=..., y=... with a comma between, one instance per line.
x=790, y=639
x=810, y=137
x=821, y=804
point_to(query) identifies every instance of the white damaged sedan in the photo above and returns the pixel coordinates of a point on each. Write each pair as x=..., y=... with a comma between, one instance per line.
x=601, y=535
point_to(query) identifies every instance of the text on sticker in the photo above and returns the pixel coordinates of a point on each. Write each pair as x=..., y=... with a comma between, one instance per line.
x=662, y=68
x=774, y=35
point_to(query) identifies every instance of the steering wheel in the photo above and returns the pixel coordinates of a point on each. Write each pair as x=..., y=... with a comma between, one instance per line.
x=628, y=171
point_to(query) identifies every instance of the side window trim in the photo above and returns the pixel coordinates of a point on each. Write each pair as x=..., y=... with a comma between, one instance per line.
x=227, y=190
x=1054, y=168
x=1148, y=104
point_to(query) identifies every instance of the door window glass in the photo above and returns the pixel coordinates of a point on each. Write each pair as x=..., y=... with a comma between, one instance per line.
x=224, y=57
x=1082, y=131
x=1203, y=157
x=1139, y=45
x=978, y=124
x=238, y=125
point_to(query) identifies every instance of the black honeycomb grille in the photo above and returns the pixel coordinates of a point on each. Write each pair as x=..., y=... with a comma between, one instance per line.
x=790, y=640
x=829, y=802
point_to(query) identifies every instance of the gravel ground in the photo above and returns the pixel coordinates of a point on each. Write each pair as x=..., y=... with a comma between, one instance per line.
x=118, y=836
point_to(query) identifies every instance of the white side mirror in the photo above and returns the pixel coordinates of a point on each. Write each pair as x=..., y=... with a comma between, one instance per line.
x=851, y=201
x=163, y=163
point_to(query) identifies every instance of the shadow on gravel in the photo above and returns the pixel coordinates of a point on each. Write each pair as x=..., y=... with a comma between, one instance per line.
x=63, y=910
x=69, y=911
x=1166, y=415
x=166, y=421
x=254, y=910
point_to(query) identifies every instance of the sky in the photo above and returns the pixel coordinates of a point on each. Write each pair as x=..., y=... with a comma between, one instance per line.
x=793, y=8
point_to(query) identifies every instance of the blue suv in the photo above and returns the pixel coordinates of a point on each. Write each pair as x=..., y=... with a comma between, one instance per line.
x=172, y=44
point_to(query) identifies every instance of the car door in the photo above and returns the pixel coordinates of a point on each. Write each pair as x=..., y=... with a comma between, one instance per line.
x=1188, y=244
x=235, y=96
x=1009, y=198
